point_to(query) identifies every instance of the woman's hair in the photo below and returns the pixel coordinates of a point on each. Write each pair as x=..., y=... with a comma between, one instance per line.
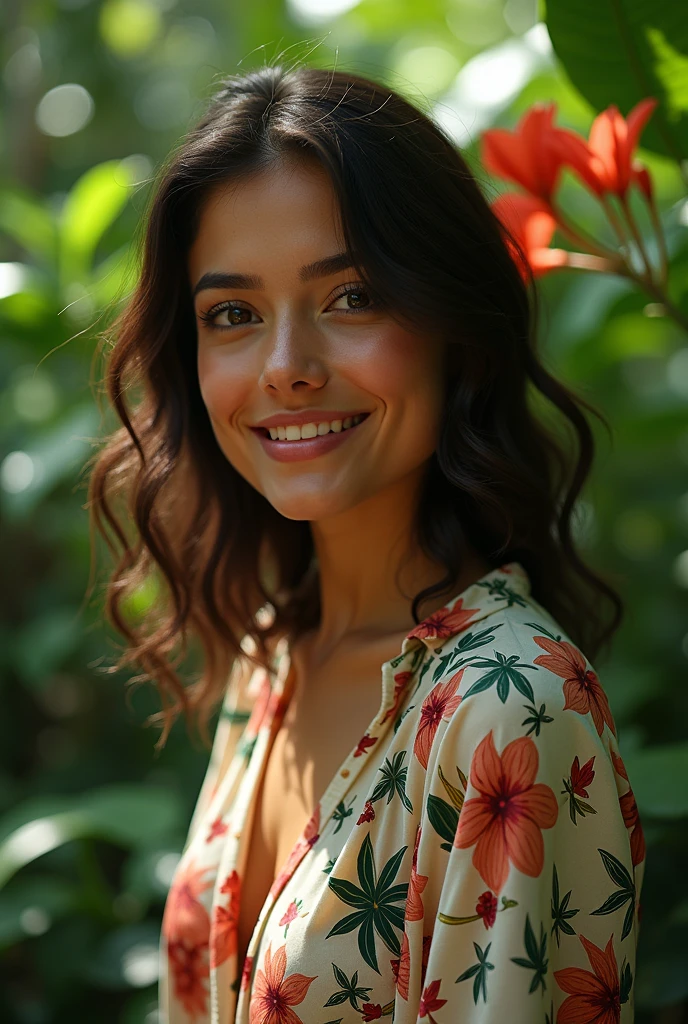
x=424, y=240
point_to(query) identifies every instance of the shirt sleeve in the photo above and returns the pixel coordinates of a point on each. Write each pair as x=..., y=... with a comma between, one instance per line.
x=524, y=893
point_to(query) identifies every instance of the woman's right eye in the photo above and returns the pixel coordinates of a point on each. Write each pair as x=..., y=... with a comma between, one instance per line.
x=210, y=316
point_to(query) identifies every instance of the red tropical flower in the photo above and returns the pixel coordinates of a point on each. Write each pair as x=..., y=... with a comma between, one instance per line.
x=441, y=702
x=402, y=967
x=486, y=907
x=364, y=745
x=582, y=777
x=290, y=914
x=307, y=840
x=532, y=224
x=525, y=156
x=582, y=689
x=401, y=681
x=631, y=817
x=414, y=904
x=367, y=814
x=189, y=966
x=605, y=162
x=371, y=1011
x=504, y=822
x=593, y=996
x=185, y=918
x=246, y=972
x=217, y=828
x=444, y=623
x=273, y=995
x=223, y=931
x=430, y=1002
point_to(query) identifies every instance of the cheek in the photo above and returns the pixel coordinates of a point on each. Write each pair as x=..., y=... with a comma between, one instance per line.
x=222, y=384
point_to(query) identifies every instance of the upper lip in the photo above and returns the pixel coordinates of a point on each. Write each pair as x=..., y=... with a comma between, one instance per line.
x=288, y=419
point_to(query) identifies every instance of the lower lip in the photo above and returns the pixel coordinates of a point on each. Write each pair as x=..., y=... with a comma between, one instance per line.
x=309, y=448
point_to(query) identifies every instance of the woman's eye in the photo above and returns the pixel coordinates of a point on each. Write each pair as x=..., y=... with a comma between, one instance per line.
x=234, y=314
x=356, y=299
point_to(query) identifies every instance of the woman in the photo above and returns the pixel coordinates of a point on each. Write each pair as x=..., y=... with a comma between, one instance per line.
x=415, y=805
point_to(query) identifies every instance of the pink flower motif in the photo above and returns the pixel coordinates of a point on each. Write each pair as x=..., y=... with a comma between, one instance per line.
x=273, y=994
x=217, y=828
x=401, y=681
x=308, y=839
x=441, y=702
x=246, y=973
x=367, y=814
x=414, y=904
x=364, y=745
x=289, y=914
x=444, y=623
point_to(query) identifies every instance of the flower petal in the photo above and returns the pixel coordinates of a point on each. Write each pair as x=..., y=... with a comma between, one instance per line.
x=476, y=816
x=490, y=857
x=524, y=845
x=519, y=764
x=486, y=767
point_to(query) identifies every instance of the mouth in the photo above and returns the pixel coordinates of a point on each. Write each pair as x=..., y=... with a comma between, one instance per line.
x=319, y=439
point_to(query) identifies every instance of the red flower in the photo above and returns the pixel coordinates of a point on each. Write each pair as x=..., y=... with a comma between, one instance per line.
x=506, y=819
x=414, y=904
x=371, y=1011
x=525, y=156
x=307, y=840
x=259, y=708
x=217, y=828
x=605, y=162
x=486, y=907
x=185, y=918
x=223, y=932
x=273, y=995
x=367, y=814
x=290, y=914
x=246, y=972
x=189, y=966
x=402, y=967
x=582, y=689
x=430, y=1002
x=441, y=702
x=401, y=681
x=593, y=997
x=364, y=744
x=582, y=777
x=531, y=223
x=631, y=817
x=444, y=623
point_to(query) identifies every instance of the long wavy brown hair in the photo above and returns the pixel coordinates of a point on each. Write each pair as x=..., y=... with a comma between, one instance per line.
x=506, y=475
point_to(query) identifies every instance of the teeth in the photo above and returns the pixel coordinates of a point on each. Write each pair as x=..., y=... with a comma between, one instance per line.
x=307, y=430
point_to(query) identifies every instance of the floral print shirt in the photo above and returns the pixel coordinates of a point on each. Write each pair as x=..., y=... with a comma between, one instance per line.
x=478, y=856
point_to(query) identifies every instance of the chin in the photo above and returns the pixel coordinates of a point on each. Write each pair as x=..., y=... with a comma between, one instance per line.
x=311, y=507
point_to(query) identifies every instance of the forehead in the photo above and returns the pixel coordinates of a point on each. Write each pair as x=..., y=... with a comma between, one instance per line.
x=289, y=206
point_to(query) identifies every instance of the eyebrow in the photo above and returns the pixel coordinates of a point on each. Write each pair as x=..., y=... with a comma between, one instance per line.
x=320, y=268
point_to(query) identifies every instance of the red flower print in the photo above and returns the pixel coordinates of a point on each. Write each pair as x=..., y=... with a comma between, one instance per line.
x=629, y=809
x=290, y=914
x=367, y=814
x=593, y=996
x=223, y=931
x=402, y=967
x=582, y=777
x=430, y=1002
x=441, y=702
x=506, y=819
x=308, y=839
x=444, y=623
x=246, y=972
x=401, y=681
x=486, y=907
x=217, y=828
x=371, y=1011
x=414, y=904
x=185, y=918
x=259, y=708
x=364, y=744
x=427, y=939
x=189, y=966
x=273, y=995
x=582, y=689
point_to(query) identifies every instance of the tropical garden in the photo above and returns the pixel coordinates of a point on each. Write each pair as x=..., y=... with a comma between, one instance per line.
x=575, y=119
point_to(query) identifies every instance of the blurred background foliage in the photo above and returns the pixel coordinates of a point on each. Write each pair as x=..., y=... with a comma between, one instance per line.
x=94, y=93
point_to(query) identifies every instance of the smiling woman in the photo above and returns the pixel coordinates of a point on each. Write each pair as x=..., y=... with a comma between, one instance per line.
x=330, y=452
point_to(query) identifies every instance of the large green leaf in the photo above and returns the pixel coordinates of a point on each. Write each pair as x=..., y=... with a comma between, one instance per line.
x=132, y=816
x=621, y=51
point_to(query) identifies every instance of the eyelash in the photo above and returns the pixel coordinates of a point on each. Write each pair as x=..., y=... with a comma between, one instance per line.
x=208, y=317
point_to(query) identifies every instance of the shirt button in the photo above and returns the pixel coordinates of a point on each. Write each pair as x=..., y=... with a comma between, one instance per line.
x=345, y=773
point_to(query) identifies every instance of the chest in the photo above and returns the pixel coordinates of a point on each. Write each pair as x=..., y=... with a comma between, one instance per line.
x=326, y=717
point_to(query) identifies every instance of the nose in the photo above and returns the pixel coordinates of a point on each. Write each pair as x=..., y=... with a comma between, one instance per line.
x=294, y=360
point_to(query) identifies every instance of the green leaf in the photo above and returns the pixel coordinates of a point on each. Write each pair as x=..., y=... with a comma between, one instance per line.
x=616, y=870
x=443, y=817
x=90, y=208
x=366, y=867
x=623, y=51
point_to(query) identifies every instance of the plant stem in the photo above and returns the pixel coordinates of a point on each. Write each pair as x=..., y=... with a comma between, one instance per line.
x=580, y=238
x=635, y=231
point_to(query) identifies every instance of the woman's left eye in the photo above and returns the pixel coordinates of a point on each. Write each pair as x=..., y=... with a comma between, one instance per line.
x=359, y=295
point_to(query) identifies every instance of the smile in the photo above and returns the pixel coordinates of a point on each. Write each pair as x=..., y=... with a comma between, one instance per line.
x=293, y=442
x=293, y=432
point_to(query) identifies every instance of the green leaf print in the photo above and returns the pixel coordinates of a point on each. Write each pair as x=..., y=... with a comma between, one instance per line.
x=503, y=672
x=393, y=781
x=444, y=819
x=626, y=982
x=537, y=718
x=349, y=990
x=537, y=956
x=342, y=812
x=560, y=911
x=450, y=662
x=500, y=589
x=626, y=893
x=374, y=902
x=478, y=972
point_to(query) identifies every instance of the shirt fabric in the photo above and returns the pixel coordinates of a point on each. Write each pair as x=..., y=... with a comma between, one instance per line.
x=477, y=858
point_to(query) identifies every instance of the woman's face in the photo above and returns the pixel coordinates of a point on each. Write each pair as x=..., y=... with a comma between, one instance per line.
x=288, y=345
